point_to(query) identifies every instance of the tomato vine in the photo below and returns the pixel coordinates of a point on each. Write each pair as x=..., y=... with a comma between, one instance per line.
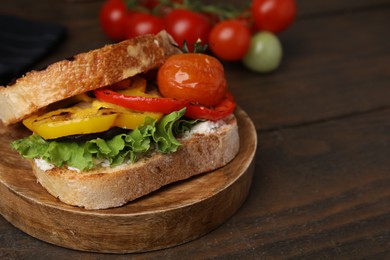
x=232, y=32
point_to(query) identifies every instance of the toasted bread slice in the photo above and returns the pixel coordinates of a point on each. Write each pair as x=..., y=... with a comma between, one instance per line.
x=112, y=187
x=83, y=72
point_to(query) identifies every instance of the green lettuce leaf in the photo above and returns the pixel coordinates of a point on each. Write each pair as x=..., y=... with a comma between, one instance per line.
x=160, y=136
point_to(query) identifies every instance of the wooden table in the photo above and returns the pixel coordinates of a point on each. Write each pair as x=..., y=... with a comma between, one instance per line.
x=321, y=187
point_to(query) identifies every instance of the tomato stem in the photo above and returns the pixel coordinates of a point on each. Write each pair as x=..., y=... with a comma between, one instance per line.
x=131, y=4
x=221, y=10
x=198, y=47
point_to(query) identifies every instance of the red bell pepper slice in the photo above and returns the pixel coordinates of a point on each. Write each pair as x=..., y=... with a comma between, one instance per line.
x=167, y=105
x=149, y=104
x=225, y=108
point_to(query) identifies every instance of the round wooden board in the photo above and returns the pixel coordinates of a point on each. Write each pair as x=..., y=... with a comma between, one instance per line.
x=173, y=215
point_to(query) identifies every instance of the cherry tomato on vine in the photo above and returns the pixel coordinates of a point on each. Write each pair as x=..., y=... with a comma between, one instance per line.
x=143, y=23
x=112, y=19
x=264, y=54
x=195, y=77
x=230, y=39
x=187, y=25
x=273, y=15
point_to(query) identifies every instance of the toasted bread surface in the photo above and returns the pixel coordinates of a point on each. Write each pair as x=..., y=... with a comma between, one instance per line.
x=83, y=72
x=107, y=187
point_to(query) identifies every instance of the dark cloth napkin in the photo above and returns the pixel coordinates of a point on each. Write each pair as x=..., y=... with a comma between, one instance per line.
x=23, y=42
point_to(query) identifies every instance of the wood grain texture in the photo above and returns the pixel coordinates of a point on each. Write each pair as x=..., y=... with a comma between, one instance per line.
x=333, y=67
x=321, y=183
x=318, y=192
x=175, y=214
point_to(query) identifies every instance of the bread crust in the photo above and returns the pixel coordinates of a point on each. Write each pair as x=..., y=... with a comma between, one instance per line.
x=83, y=72
x=112, y=187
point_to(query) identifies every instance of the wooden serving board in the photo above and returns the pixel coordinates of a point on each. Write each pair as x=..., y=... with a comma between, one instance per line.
x=173, y=215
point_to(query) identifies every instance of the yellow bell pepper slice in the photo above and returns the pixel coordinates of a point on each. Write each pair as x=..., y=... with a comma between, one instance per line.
x=127, y=118
x=64, y=122
x=132, y=120
x=137, y=88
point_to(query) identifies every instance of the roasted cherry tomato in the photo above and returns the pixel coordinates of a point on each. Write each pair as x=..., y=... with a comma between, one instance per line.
x=230, y=39
x=195, y=77
x=112, y=19
x=189, y=26
x=273, y=15
x=143, y=23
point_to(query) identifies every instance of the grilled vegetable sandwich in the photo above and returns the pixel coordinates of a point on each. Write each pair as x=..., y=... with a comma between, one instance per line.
x=116, y=123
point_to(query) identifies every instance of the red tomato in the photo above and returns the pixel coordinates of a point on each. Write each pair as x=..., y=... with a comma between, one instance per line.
x=187, y=25
x=143, y=23
x=273, y=15
x=230, y=39
x=112, y=19
x=195, y=77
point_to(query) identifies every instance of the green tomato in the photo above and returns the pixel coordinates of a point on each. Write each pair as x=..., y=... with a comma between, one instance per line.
x=264, y=54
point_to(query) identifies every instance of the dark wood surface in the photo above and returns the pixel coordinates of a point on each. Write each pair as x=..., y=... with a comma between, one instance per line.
x=321, y=187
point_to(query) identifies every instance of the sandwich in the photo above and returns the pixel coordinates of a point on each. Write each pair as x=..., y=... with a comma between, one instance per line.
x=111, y=125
